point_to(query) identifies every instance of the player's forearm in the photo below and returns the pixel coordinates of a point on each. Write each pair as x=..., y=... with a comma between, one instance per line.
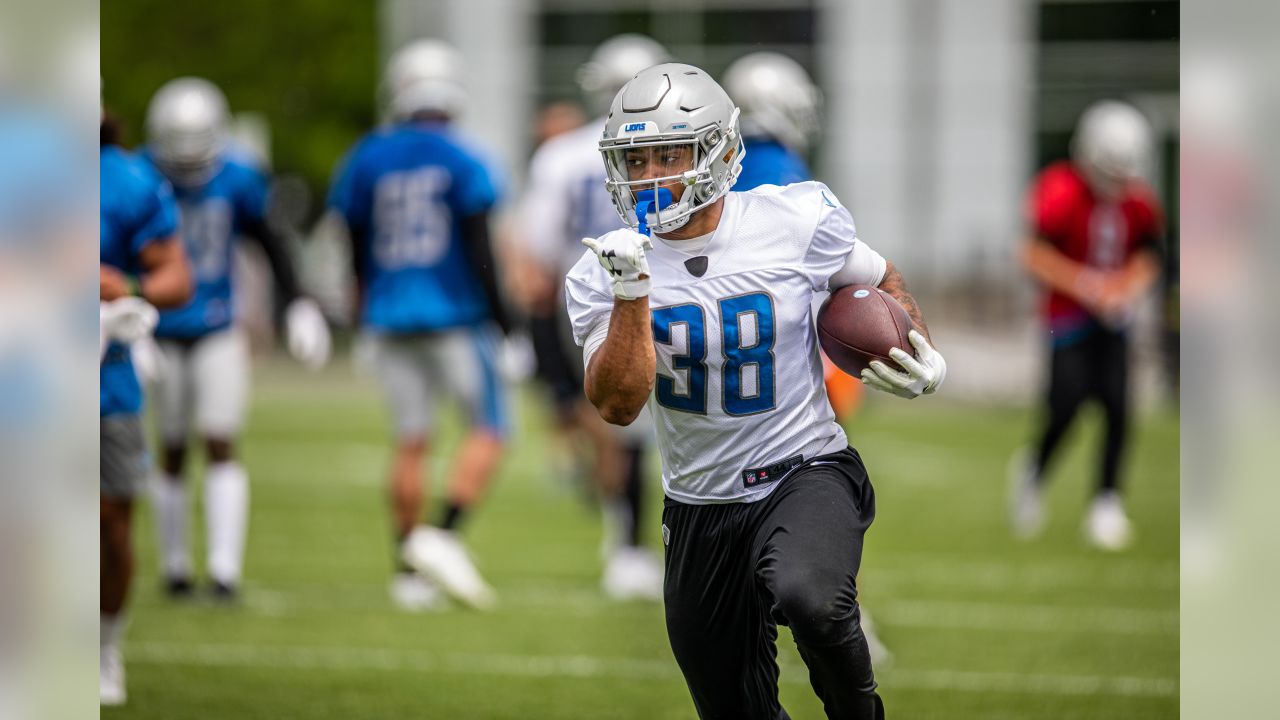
x=167, y=281
x=621, y=373
x=276, y=249
x=1140, y=273
x=1053, y=269
x=894, y=284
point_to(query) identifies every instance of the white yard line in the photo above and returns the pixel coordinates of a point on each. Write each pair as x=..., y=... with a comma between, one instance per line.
x=592, y=667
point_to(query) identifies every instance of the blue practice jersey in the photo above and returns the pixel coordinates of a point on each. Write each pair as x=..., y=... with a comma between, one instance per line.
x=136, y=209
x=402, y=191
x=213, y=216
x=769, y=162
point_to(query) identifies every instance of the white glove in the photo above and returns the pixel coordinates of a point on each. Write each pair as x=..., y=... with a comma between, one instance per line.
x=126, y=320
x=307, y=332
x=922, y=376
x=148, y=360
x=621, y=252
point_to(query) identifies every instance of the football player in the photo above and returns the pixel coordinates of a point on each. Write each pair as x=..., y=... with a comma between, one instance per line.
x=567, y=201
x=204, y=368
x=416, y=200
x=779, y=105
x=140, y=256
x=709, y=322
x=1095, y=230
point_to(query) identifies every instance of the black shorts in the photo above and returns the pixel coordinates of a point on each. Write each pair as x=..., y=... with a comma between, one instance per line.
x=734, y=572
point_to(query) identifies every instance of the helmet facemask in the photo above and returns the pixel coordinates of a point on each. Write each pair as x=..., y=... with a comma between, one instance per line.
x=658, y=181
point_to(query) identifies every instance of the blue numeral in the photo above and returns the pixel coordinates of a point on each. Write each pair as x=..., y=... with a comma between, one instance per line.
x=738, y=356
x=692, y=362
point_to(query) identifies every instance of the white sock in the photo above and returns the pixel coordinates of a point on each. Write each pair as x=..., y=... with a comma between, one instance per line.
x=226, y=508
x=110, y=631
x=169, y=496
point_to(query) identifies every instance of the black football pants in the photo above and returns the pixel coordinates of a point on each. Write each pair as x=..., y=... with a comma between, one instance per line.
x=1097, y=367
x=736, y=571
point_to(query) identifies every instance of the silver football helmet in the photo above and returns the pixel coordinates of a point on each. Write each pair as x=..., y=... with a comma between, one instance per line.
x=1111, y=146
x=777, y=98
x=187, y=130
x=613, y=63
x=424, y=76
x=671, y=146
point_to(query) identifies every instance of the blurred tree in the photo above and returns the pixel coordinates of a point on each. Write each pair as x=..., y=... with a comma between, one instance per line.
x=310, y=67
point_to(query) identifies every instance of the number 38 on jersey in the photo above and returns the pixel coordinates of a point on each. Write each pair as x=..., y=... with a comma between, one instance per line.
x=743, y=328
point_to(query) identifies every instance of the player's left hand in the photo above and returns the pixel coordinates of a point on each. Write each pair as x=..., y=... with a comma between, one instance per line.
x=924, y=372
x=621, y=253
x=308, y=333
x=126, y=320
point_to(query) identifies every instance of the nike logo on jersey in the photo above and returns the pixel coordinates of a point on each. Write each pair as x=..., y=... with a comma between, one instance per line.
x=827, y=201
x=697, y=266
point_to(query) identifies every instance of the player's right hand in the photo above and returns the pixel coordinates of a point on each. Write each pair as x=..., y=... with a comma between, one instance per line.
x=621, y=253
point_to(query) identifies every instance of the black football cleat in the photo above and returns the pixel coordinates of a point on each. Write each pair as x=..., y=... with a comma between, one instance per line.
x=179, y=587
x=225, y=592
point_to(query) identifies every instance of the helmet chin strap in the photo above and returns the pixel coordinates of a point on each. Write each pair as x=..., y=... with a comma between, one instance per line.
x=645, y=199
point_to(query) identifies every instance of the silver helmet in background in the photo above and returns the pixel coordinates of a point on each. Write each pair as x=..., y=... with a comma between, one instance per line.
x=424, y=76
x=613, y=64
x=187, y=130
x=777, y=97
x=671, y=146
x=1111, y=146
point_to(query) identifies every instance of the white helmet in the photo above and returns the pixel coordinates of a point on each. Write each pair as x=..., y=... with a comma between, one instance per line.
x=187, y=130
x=613, y=63
x=777, y=98
x=424, y=76
x=1111, y=146
x=680, y=112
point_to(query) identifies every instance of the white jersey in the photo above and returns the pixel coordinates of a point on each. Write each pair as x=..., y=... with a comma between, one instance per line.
x=739, y=398
x=566, y=198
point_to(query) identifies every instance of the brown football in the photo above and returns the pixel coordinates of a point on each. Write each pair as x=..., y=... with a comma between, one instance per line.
x=860, y=323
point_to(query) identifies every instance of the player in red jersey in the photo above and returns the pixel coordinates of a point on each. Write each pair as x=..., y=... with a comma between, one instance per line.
x=1094, y=247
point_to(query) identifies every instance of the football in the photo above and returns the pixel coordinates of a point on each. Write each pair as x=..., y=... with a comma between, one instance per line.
x=860, y=323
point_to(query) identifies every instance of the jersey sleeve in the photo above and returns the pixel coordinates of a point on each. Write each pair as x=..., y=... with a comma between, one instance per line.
x=157, y=218
x=350, y=198
x=475, y=188
x=1150, y=222
x=835, y=256
x=588, y=301
x=1049, y=204
x=252, y=193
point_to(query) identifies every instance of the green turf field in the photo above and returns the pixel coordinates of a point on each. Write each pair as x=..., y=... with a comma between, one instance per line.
x=980, y=627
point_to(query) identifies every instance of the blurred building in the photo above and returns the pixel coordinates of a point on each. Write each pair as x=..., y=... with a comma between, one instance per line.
x=937, y=111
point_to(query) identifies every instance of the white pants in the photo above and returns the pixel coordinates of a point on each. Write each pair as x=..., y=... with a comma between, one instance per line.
x=206, y=379
x=419, y=371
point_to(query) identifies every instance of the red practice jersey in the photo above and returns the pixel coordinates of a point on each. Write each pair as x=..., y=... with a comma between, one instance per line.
x=1099, y=233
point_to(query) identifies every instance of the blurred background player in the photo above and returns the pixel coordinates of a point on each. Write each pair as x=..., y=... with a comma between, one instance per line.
x=565, y=202
x=780, y=119
x=204, y=371
x=780, y=108
x=140, y=256
x=1094, y=247
x=416, y=201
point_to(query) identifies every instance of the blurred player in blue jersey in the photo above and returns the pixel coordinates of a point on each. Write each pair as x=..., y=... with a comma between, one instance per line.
x=780, y=106
x=141, y=259
x=567, y=201
x=416, y=201
x=204, y=375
